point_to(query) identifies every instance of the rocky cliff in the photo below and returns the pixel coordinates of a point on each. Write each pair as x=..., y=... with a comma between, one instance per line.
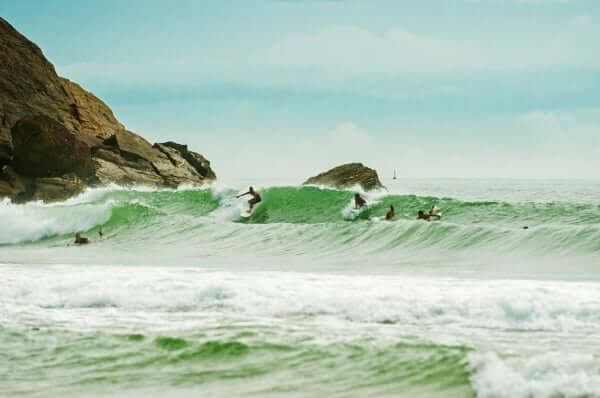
x=56, y=138
x=347, y=176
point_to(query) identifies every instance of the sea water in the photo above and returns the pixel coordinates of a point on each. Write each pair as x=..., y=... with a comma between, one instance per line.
x=182, y=297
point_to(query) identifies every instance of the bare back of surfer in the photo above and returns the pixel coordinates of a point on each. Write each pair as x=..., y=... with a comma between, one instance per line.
x=359, y=202
x=255, y=197
x=391, y=213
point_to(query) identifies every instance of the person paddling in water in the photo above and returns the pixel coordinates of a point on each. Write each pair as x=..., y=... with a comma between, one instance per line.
x=359, y=202
x=255, y=198
x=391, y=213
x=81, y=240
x=428, y=216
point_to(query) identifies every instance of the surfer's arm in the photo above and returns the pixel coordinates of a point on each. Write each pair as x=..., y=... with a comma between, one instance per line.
x=243, y=194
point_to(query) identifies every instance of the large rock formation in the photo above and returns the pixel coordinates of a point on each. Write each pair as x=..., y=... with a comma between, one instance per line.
x=56, y=136
x=347, y=176
x=42, y=147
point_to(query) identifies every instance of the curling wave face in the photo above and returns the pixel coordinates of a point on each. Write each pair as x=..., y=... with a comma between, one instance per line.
x=307, y=219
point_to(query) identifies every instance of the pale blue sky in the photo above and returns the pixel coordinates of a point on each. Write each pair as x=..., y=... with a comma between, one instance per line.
x=463, y=88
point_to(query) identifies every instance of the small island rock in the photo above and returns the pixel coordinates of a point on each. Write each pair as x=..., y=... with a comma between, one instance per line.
x=347, y=176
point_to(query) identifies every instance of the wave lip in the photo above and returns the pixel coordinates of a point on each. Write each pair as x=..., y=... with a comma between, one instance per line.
x=33, y=221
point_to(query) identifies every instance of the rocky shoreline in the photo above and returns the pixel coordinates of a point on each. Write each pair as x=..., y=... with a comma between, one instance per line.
x=57, y=138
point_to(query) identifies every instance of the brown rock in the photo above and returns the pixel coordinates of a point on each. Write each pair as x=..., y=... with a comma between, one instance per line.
x=53, y=189
x=125, y=172
x=346, y=176
x=167, y=164
x=132, y=144
x=5, y=145
x=179, y=170
x=155, y=165
x=30, y=86
x=51, y=128
x=197, y=161
x=45, y=148
x=96, y=120
x=11, y=184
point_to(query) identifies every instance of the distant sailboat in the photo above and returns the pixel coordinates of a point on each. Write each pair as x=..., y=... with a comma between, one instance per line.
x=394, y=174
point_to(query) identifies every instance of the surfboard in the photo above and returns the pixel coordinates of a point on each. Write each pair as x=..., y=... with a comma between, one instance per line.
x=437, y=214
x=246, y=213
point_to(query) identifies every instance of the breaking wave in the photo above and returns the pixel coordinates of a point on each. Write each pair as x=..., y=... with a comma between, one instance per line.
x=307, y=219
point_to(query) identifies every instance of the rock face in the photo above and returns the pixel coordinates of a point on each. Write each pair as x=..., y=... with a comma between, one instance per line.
x=42, y=147
x=347, y=176
x=56, y=188
x=11, y=184
x=55, y=135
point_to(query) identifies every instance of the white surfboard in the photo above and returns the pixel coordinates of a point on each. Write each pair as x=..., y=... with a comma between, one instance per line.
x=436, y=213
x=247, y=213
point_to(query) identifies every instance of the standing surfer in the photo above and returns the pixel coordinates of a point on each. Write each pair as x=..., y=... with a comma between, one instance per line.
x=359, y=202
x=255, y=198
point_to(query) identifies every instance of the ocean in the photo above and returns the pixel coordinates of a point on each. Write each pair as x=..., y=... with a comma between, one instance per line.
x=304, y=298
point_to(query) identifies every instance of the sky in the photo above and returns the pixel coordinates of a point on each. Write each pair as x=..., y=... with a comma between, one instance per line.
x=289, y=88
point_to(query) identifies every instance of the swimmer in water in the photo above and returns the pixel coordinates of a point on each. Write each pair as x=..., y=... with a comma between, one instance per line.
x=429, y=215
x=81, y=240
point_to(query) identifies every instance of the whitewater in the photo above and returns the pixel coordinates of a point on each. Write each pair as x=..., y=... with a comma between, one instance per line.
x=305, y=298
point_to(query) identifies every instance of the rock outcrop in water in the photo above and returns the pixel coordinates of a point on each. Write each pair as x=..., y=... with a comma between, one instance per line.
x=56, y=138
x=347, y=176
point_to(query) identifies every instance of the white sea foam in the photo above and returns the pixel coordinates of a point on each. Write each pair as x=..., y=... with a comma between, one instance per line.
x=559, y=373
x=35, y=220
x=527, y=338
x=520, y=305
x=230, y=207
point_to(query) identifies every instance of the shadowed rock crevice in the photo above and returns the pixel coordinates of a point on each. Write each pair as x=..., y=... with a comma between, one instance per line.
x=45, y=148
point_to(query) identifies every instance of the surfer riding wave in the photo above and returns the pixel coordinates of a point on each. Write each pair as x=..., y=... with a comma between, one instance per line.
x=255, y=198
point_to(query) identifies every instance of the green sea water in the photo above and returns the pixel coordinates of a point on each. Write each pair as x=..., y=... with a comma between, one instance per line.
x=306, y=297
